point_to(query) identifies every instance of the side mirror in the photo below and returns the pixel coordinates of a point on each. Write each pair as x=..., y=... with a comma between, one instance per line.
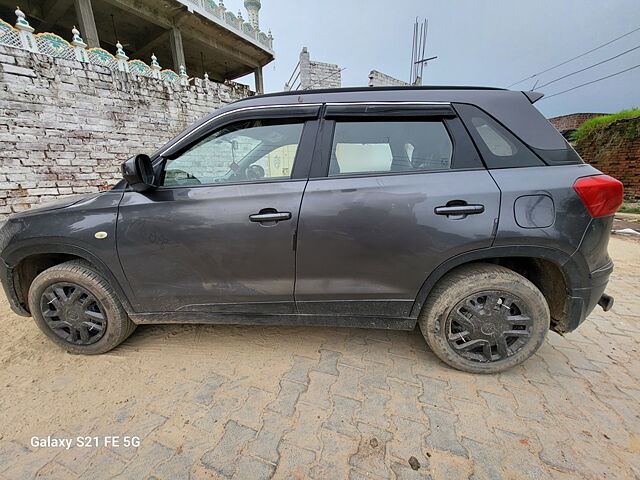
x=138, y=172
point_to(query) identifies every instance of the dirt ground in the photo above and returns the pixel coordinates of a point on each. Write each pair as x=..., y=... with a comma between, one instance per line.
x=325, y=403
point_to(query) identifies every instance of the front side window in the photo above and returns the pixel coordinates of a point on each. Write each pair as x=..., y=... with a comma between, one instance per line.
x=389, y=146
x=253, y=150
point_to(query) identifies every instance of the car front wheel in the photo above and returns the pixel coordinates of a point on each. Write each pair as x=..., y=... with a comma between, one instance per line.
x=78, y=309
x=484, y=318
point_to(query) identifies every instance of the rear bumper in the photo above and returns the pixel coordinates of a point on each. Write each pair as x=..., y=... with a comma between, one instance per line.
x=6, y=278
x=582, y=301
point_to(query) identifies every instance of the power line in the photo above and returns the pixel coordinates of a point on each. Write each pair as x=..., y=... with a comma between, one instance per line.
x=593, y=81
x=589, y=67
x=574, y=58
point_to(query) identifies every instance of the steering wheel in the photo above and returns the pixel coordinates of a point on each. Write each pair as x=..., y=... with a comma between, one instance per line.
x=180, y=177
x=254, y=172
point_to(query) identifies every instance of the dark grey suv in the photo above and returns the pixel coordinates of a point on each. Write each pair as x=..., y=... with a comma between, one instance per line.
x=459, y=209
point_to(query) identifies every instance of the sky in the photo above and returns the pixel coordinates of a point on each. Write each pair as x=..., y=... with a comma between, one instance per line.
x=488, y=43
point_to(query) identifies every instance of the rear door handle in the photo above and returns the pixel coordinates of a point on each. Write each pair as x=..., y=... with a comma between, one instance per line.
x=269, y=215
x=459, y=210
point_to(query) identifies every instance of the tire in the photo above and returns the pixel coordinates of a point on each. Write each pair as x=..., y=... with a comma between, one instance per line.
x=82, y=304
x=466, y=326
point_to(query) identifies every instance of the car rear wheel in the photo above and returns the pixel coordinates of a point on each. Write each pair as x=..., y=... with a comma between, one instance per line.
x=78, y=309
x=484, y=318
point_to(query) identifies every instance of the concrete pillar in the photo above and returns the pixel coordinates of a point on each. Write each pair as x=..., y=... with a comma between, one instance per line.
x=177, y=50
x=259, y=80
x=87, y=22
x=305, y=69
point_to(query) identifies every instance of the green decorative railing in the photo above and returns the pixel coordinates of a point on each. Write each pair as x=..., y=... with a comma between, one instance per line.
x=218, y=13
x=21, y=36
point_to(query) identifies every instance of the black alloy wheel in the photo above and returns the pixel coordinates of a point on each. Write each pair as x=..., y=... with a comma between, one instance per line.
x=488, y=326
x=73, y=313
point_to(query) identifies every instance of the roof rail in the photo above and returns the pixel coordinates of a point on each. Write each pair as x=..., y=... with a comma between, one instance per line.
x=369, y=89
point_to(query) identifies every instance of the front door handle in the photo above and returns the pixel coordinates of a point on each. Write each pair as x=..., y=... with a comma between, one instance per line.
x=270, y=215
x=459, y=210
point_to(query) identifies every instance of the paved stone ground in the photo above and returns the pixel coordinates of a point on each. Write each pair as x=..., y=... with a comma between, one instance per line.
x=299, y=403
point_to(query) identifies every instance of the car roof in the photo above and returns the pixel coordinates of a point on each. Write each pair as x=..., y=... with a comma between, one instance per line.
x=510, y=107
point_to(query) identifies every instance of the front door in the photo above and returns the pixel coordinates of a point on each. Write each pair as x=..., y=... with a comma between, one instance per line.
x=217, y=235
x=399, y=193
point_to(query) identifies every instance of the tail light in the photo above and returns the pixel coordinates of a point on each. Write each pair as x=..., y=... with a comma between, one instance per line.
x=601, y=194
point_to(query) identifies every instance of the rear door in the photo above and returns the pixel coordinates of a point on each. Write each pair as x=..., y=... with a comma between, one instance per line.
x=395, y=190
x=218, y=234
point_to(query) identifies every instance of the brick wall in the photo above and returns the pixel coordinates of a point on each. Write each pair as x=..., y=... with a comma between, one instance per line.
x=615, y=150
x=379, y=79
x=572, y=121
x=315, y=75
x=66, y=126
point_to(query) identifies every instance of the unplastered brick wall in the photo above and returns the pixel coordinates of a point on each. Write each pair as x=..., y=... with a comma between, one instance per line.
x=572, y=121
x=315, y=75
x=614, y=149
x=379, y=79
x=66, y=126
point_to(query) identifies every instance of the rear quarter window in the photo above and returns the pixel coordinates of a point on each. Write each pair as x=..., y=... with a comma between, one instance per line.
x=499, y=147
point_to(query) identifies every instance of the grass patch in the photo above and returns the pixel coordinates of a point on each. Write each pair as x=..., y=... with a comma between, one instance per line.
x=596, y=122
x=629, y=209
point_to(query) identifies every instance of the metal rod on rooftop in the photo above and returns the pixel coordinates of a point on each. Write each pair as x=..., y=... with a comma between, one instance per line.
x=294, y=72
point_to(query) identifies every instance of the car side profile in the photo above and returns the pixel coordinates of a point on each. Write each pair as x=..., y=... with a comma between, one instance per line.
x=458, y=209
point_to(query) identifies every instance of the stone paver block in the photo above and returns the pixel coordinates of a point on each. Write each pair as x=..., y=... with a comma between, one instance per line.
x=266, y=443
x=403, y=369
x=520, y=455
x=408, y=441
x=306, y=431
x=318, y=392
x=442, y=433
x=10, y=452
x=204, y=392
x=294, y=462
x=374, y=409
x=250, y=414
x=403, y=471
x=222, y=459
x=530, y=404
x=348, y=381
x=334, y=460
x=148, y=456
x=577, y=359
x=287, y=398
x=328, y=362
x=215, y=417
x=55, y=471
x=376, y=375
x=300, y=369
x=463, y=385
x=487, y=460
x=253, y=469
x=370, y=456
x=473, y=422
x=342, y=416
x=106, y=463
x=404, y=400
x=434, y=392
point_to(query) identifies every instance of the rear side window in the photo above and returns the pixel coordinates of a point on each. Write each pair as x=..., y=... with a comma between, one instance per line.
x=389, y=146
x=499, y=148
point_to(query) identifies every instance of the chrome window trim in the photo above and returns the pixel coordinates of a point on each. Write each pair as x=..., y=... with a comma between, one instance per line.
x=224, y=114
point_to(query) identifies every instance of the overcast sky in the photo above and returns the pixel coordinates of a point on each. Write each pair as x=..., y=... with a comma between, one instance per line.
x=490, y=42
